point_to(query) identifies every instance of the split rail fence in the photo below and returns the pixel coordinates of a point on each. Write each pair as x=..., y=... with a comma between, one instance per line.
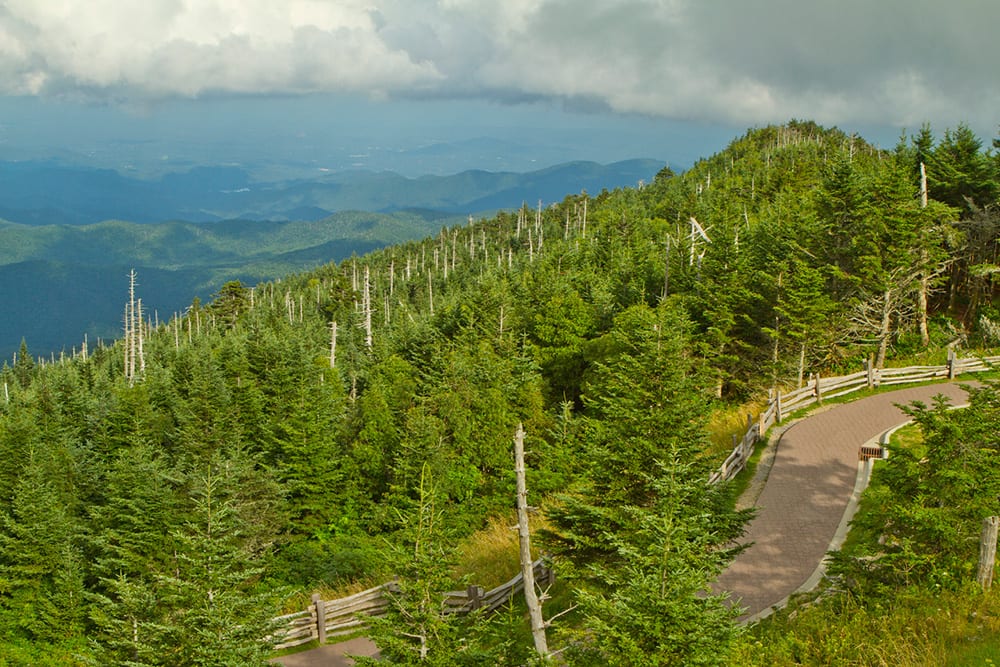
x=817, y=389
x=334, y=618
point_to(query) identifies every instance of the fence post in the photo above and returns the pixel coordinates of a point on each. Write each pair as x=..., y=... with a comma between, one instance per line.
x=951, y=363
x=777, y=406
x=987, y=551
x=475, y=594
x=819, y=394
x=869, y=372
x=320, y=618
x=546, y=577
x=760, y=417
x=748, y=437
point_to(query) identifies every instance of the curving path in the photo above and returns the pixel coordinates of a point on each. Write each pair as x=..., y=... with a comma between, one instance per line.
x=809, y=496
x=802, y=509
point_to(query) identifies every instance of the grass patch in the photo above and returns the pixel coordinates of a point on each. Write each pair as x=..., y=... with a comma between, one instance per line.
x=727, y=421
x=491, y=556
x=914, y=628
x=907, y=437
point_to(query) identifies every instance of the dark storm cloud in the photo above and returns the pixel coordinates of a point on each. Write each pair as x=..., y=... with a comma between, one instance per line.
x=889, y=62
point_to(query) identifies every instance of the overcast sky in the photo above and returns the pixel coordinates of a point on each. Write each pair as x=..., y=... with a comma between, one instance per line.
x=628, y=77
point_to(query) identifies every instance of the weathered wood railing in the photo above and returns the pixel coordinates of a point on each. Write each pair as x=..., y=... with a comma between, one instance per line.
x=817, y=389
x=332, y=618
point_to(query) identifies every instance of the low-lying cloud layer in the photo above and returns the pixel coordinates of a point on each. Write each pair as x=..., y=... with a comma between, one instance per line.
x=890, y=62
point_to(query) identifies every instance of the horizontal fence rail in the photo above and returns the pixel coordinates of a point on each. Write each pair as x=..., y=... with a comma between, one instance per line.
x=780, y=405
x=333, y=618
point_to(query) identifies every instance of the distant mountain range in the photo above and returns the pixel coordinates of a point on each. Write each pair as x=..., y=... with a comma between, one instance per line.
x=66, y=248
x=59, y=282
x=41, y=193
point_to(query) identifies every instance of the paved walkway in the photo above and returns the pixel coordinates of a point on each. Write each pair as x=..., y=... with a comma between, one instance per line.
x=800, y=510
x=329, y=655
x=807, y=493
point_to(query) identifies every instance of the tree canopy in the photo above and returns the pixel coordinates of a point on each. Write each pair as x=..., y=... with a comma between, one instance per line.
x=274, y=437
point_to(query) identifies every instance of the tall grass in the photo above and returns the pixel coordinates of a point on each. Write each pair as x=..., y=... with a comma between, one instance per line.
x=914, y=628
x=491, y=556
x=727, y=421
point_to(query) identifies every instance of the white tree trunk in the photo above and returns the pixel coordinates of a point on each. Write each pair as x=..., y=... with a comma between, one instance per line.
x=884, y=329
x=367, y=307
x=333, y=344
x=524, y=537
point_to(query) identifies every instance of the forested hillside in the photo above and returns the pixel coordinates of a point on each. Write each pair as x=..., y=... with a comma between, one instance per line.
x=63, y=283
x=165, y=493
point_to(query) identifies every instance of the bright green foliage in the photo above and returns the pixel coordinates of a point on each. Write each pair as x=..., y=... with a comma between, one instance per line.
x=607, y=324
x=910, y=627
x=23, y=365
x=41, y=587
x=179, y=575
x=644, y=534
x=232, y=299
x=927, y=506
x=418, y=628
x=960, y=174
x=209, y=612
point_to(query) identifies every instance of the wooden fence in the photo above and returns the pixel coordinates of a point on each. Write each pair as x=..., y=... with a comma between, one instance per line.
x=333, y=618
x=780, y=405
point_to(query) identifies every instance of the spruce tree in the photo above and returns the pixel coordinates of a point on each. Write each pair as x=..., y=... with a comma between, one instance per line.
x=644, y=533
x=418, y=628
x=41, y=592
x=211, y=612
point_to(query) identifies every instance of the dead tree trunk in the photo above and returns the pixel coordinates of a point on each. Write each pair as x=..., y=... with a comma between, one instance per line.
x=666, y=270
x=133, y=332
x=987, y=551
x=524, y=537
x=884, y=329
x=138, y=325
x=802, y=363
x=333, y=344
x=923, y=186
x=367, y=307
x=430, y=293
x=923, y=286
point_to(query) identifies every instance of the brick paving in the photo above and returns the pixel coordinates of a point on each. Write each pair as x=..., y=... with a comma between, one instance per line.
x=807, y=492
x=799, y=510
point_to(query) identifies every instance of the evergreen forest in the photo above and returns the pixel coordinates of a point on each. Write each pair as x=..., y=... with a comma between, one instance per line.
x=165, y=496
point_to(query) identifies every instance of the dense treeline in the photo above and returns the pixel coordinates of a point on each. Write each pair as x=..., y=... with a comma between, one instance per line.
x=162, y=499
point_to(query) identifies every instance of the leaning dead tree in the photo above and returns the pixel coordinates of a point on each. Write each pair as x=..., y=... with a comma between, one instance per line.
x=531, y=598
x=878, y=314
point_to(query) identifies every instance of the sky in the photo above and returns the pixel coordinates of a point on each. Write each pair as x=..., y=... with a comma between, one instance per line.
x=441, y=85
